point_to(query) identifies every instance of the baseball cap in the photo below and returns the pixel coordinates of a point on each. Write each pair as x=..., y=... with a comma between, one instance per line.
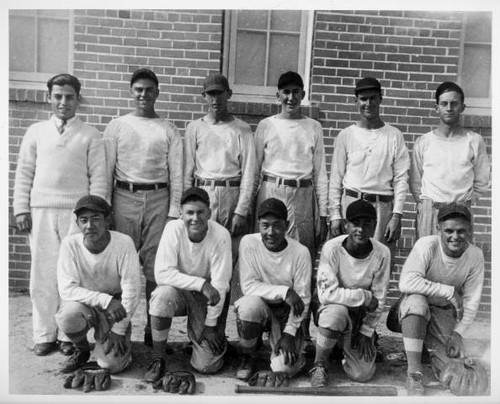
x=195, y=193
x=273, y=206
x=360, y=208
x=367, y=83
x=290, y=78
x=454, y=209
x=94, y=203
x=216, y=82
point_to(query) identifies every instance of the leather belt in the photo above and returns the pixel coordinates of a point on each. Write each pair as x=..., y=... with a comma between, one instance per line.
x=216, y=183
x=369, y=197
x=288, y=182
x=140, y=187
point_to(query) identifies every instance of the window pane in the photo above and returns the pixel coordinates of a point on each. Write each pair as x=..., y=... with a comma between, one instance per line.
x=22, y=44
x=283, y=56
x=476, y=71
x=256, y=19
x=250, y=59
x=286, y=20
x=478, y=28
x=53, y=37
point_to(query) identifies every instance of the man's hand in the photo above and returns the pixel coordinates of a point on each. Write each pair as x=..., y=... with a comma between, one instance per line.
x=116, y=343
x=238, y=225
x=215, y=340
x=23, y=222
x=295, y=302
x=372, y=305
x=393, y=229
x=457, y=302
x=286, y=344
x=365, y=346
x=116, y=311
x=455, y=347
x=210, y=293
x=337, y=227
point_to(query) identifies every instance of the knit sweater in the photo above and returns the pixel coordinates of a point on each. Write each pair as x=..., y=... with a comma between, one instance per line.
x=430, y=272
x=55, y=170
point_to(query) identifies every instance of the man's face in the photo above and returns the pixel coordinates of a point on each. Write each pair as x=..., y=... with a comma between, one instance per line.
x=93, y=225
x=454, y=235
x=290, y=97
x=145, y=92
x=449, y=107
x=273, y=232
x=64, y=101
x=368, y=103
x=195, y=215
x=216, y=100
x=360, y=230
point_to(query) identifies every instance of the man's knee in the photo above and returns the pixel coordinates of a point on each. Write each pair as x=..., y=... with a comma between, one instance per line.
x=361, y=373
x=72, y=318
x=414, y=304
x=250, y=309
x=248, y=330
x=163, y=301
x=204, y=360
x=333, y=317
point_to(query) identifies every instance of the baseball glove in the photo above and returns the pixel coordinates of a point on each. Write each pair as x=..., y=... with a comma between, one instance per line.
x=464, y=377
x=91, y=377
x=393, y=324
x=181, y=382
x=268, y=378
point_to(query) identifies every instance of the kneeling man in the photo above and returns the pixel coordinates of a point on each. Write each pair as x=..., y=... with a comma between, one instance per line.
x=98, y=275
x=275, y=277
x=353, y=276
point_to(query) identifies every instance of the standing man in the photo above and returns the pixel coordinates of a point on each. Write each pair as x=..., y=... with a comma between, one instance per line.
x=449, y=163
x=275, y=273
x=193, y=272
x=144, y=157
x=442, y=281
x=219, y=157
x=98, y=274
x=353, y=277
x=370, y=162
x=60, y=160
x=291, y=167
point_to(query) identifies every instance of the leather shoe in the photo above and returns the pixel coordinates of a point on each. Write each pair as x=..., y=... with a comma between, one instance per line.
x=66, y=348
x=44, y=348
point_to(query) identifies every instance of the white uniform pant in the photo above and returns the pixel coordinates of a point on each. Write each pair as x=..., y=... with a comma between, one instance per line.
x=49, y=227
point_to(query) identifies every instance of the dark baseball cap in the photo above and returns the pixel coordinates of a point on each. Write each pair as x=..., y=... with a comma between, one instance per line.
x=454, y=209
x=273, y=206
x=360, y=209
x=216, y=82
x=94, y=203
x=195, y=193
x=290, y=78
x=367, y=83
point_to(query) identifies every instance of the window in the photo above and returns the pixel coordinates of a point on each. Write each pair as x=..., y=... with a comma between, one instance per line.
x=39, y=43
x=475, y=62
x=260, y=45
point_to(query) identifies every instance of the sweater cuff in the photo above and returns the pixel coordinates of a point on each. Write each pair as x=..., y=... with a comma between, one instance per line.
x=105, y=300
x=448, y=290
x=120, y=328
x=366, y=330
x=289, y=329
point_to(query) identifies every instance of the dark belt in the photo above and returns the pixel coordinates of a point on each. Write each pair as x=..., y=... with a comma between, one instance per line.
x=369, y=197
x=290, y=183
x=216, y=183
x=139, y=187
x=439, y=205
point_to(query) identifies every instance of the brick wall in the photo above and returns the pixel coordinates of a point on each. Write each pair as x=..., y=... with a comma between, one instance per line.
x=410, y=52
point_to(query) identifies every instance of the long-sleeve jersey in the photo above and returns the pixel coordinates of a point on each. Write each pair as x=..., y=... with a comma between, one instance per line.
x=269, y=274
x=93, y=279
x=349, y=281
x=145, y=151
x=293, y=149
x=449, y=169
x=430, y=272
x=374, y=161
x=186, y=265
x=55, y=170
x=221, y=151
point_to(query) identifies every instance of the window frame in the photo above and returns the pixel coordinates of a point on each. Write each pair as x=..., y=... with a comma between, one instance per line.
x=36, y=80
x=263, y=94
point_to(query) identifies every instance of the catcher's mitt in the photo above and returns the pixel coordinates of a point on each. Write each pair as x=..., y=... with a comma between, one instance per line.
x=181, y=382
x=268, y=378
x=91, y=377
x=393, y=324
x=464, y=377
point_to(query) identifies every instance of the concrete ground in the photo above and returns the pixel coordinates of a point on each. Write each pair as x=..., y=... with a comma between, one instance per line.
x=32, y=377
